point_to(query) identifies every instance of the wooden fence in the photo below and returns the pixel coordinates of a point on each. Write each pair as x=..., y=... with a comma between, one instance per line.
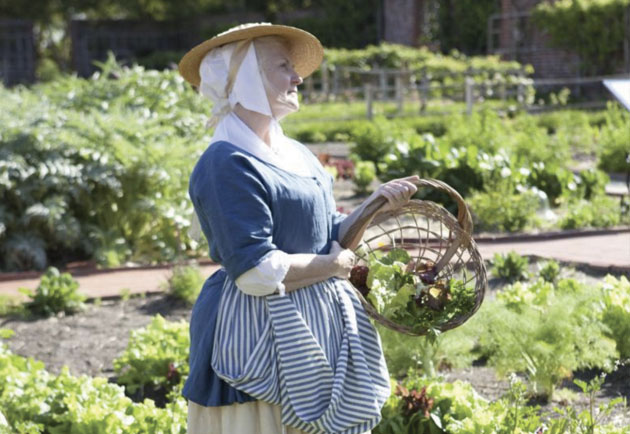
x=419, y=88
x=17, y=52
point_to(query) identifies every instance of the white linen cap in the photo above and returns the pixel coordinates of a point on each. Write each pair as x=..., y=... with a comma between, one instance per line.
x=246, y=87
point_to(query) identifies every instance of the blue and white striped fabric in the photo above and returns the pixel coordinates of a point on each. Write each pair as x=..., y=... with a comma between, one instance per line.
x=313, y=351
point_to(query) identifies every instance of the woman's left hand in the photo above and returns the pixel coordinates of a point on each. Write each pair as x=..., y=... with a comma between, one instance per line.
x=397, y=192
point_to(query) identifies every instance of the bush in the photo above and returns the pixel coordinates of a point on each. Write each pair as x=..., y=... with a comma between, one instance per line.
x=97, y=168
x=616, y=311
x=499, y=210
x=577, y=25
x=56, y=292
x=156, y=356
x=185, y=283
x=373, y=141
x=600, y=212
x=364, y=175
x=614, y=152
x=511, y=266
x=549, y=271
x=591, y=183
x=546, y=331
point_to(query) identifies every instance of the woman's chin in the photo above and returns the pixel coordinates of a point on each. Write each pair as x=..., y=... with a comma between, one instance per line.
x=284, y=110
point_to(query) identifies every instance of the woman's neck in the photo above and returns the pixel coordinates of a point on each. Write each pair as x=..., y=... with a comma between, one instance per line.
x=257, y=122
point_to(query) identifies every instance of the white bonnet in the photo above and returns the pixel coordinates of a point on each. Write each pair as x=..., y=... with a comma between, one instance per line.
x=220, y=66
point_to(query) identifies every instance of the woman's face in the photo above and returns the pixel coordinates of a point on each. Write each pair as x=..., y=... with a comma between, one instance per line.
x=279, y=77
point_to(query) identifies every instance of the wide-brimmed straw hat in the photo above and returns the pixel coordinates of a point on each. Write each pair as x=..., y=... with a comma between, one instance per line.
x=305, y=49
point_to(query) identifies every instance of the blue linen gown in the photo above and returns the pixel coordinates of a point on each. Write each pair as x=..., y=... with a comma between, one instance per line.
x=313, y=351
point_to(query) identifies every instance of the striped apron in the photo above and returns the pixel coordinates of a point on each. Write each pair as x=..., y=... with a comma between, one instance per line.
x=313, y=352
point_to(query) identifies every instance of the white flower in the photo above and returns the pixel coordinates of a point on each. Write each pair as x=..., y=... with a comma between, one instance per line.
x=505, y=172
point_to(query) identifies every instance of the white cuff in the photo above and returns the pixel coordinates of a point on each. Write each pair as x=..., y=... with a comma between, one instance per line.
x=266, y=277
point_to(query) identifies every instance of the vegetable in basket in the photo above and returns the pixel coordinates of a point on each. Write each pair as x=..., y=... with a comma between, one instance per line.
x=410, y=292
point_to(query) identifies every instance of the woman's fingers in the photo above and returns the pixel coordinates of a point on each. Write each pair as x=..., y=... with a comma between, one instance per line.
x=412, y=179
x=399, y=191
x=343, y=259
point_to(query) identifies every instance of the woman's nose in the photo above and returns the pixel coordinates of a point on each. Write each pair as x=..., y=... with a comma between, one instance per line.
x=296, y=79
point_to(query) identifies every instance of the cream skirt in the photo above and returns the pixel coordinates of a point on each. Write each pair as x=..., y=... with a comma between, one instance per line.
x=255, y=417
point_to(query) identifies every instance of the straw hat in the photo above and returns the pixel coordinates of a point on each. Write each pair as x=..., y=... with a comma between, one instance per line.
x=305, y=49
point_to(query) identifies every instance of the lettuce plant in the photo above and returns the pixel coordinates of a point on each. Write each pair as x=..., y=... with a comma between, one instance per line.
x=156, y=356
x=56, y=292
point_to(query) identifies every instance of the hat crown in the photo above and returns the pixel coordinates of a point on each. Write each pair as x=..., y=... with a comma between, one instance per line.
x=305, y=49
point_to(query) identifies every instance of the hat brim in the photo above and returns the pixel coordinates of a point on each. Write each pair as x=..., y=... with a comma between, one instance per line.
x=305, y=50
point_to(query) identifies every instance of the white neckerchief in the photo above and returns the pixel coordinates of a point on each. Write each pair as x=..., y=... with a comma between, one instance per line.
x=283, y=152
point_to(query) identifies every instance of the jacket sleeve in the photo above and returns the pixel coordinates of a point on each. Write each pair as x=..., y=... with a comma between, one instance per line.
x=233, y=206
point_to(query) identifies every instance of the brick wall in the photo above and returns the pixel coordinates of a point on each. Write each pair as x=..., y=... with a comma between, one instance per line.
x=521, y=40
x=401, y=21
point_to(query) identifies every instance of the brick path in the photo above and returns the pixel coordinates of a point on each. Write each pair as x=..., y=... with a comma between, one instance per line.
x=603, y=251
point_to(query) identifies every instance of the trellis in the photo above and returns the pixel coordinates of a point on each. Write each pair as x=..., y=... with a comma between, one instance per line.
x=17, y=52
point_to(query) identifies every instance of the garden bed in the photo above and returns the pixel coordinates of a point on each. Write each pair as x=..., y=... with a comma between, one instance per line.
x=88, y=343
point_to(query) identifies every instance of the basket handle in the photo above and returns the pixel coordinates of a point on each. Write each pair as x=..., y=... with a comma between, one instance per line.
x=464, y=218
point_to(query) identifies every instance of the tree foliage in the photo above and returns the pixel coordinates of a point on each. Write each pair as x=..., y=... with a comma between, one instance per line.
x=463, y=24
x=594, y=29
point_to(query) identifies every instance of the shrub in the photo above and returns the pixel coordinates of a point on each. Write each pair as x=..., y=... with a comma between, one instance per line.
x=511, y=266
x=591, y=183
x=614, y=152
x=600, y=212
x=364, y=175
x=185, y=283
x=577, y=25
x=373, y=141
x=97, y=168
x=549, y=271
x=616, y=311
x=500, y=210
x=546, y=331
x=156, y=356
x=56, y=292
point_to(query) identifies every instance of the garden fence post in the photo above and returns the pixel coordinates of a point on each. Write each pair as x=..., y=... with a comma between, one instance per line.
x=470, y=84
x=383, y=84
x=399, y=94
x=424, y=91
x=335, y=84
x=325, y=81
x=310, y=88
x=368, y=100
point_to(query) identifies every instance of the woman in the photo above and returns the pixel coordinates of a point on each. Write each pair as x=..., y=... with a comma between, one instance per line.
x=279, y=340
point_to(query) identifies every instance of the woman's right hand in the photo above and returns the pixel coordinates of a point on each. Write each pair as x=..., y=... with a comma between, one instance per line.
x=342, y=260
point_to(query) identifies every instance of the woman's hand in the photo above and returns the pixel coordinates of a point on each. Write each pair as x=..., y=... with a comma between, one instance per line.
x=342, y=260
x=397, y=192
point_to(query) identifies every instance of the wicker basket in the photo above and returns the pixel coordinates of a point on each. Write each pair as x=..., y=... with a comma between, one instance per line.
x=429, y=233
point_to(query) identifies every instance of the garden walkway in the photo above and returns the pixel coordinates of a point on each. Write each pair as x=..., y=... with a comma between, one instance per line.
x=604, y=251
